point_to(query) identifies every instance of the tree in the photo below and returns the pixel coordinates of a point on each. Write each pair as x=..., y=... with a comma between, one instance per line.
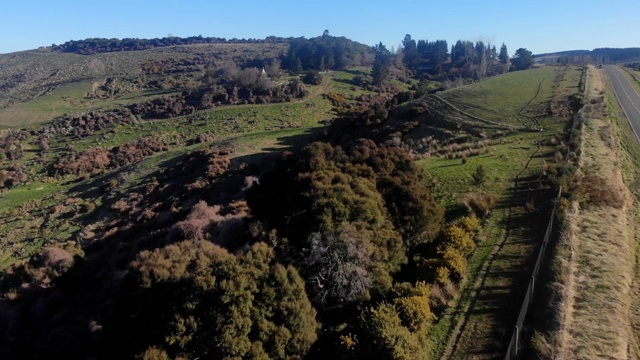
x=481, y=60
x=410, y=52
x=438, y=52
x=273, y=68
x=522, y=59
x=504, y=54
x=340, y=263
x=381, y=64
x=504, y=57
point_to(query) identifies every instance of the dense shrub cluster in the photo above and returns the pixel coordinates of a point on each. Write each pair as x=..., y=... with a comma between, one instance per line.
x=95, y=159
x=140, y=269
x=351, y=215
x=12, y=176
x=11, y=145
x=173, y=66
x=86, y=124
x=165, y=107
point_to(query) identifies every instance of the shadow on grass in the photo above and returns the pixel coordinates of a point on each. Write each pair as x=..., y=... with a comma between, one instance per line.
x=494, y=308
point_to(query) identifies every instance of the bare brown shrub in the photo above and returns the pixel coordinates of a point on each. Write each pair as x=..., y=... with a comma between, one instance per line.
x=439, y=297
x=480, y=204
x=557, y=157
x=207, y=223
x=595, y=191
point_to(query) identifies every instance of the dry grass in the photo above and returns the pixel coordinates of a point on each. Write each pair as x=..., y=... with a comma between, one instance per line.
x=595, y=260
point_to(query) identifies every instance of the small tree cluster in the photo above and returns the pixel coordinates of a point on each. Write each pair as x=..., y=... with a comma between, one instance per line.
x=261, y=92
x=325, y=53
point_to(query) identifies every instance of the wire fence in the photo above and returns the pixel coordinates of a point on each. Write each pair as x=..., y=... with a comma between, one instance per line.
x=512, y=350
x=514, y=343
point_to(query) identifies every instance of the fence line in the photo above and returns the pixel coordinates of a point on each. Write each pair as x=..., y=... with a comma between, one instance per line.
x=512, y=350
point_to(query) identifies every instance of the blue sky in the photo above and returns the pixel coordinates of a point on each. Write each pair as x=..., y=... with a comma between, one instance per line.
x=541, y=26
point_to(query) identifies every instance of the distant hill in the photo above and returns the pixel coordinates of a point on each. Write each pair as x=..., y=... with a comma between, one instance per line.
x=103, y=45
x=564, y=53
x=610, y=55
x=188, y=61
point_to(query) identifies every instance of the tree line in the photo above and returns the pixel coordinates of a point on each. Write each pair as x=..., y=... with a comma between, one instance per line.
x=102, y=45
x=432, y=58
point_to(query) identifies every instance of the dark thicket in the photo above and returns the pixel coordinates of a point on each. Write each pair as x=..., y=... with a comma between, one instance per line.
x=522, y=59
x=325, y=53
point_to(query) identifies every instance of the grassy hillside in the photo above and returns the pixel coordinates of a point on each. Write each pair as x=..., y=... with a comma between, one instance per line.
x=42, y=85
x=116, y=162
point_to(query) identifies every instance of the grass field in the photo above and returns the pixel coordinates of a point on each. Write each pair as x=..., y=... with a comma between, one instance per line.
x=514, y=98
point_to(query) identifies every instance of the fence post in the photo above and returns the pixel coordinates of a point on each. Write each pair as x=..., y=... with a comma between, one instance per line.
x=516, y=344
x=533, y=284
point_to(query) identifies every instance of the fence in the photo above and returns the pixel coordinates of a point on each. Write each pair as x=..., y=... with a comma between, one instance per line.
x=512, y=349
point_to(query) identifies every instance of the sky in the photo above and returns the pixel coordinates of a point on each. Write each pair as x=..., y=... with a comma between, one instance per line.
x=539, y=25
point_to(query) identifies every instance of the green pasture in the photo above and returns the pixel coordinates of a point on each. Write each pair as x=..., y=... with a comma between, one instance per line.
x=514, y=97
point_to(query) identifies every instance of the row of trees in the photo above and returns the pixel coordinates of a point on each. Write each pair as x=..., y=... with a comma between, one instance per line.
x=424, y=53
x=466, y=59
x=432, y=56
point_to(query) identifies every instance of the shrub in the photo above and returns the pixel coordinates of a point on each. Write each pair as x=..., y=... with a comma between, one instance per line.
x=153, y=353
x=454, y=261
x=414, y=310
x=312, y=77
x=459, y=239
x=470, y=223
x=480, y=175
x=389, y=339
x=480, y=205
x=443, y=275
